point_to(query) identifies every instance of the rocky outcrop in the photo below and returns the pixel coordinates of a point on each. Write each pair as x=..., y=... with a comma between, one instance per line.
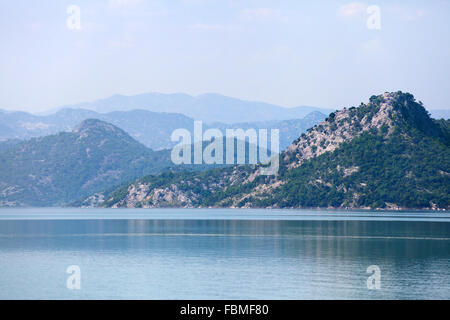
x=372, y=156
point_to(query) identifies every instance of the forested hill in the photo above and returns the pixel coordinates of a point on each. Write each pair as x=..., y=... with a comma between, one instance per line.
x=387, y=153
x=60, y=168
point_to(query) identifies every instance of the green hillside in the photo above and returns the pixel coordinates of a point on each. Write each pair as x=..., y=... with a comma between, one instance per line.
x=387, y=153
x=62, y=167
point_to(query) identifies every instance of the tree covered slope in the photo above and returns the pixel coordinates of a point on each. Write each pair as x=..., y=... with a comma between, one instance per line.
x=387, y=153
x=59, y=168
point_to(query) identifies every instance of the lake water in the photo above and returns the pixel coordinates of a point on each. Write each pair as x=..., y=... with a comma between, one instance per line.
x=223, y=254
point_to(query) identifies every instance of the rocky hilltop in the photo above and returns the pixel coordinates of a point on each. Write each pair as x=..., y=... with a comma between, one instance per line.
x=386, y=112
x=387, y=153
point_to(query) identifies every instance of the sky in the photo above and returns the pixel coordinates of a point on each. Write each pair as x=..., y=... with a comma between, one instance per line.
x=327, y=54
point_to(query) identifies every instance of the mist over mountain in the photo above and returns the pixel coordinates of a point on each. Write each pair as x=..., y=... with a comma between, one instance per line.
x=208, y=107
x=153, y=129
x=9, y=144
x=289, y=129
x=387, y=153
x=150, y=128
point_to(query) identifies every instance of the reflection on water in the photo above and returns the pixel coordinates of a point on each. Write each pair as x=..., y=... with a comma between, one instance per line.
x=224, y=259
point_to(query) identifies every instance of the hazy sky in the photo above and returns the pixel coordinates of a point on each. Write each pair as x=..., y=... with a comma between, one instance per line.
x=290, y=53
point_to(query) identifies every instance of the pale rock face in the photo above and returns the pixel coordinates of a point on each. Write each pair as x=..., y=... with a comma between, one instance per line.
x=35, y=126
x=350, y=171
x=384, y=112
x=149, y=198
x=6, y=190
x=329, y=135
x=325, y=137
x=93, y=201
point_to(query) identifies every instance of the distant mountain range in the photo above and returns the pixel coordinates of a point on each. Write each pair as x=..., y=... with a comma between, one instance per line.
x=61, y=168
x=152, y=129
x=387, y=153
x=206, y=107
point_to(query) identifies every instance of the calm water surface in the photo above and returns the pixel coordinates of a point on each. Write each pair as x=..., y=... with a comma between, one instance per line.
x=223, y=254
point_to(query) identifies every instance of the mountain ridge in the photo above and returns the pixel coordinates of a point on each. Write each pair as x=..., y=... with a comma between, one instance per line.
x=55, y=169
x=386, y=154
x=153, y=129
x=62, y=168
x=209, y=107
